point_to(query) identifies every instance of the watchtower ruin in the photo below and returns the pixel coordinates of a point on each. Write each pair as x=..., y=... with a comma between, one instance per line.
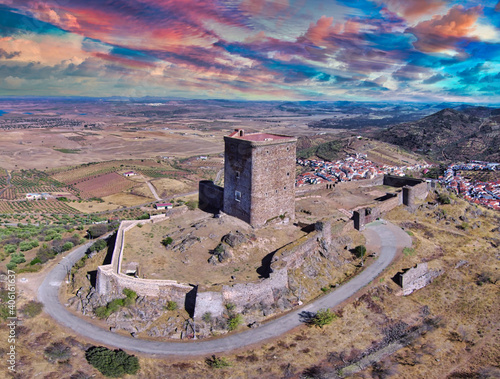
x=259, y=176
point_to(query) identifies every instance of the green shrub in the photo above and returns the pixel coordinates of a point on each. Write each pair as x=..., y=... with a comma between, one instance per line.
x=172, y=305
x=58, y=352
x=234, y=321
x=10, y=248
x=207, y=317
x=192, y=205
x=167, y=241
x=144, y=216
x=11, y=266
x=98, y=245
x=322, y=317
x=67, y=246
x=112, y=363
x=35, y=260
x=17, y=258
x=217, y=362
x=444, y=198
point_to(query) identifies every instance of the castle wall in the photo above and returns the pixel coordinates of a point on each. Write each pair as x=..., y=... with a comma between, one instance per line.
x=210, y=196
x=400, y=181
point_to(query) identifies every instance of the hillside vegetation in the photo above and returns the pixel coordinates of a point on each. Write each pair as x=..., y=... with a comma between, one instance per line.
x=471, y=133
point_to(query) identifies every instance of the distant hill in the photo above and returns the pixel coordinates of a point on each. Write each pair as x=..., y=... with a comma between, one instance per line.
x=329, y=151
x=460, y=134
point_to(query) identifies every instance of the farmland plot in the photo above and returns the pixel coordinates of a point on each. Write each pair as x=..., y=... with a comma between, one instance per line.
x=103, y=185
x=36, y=206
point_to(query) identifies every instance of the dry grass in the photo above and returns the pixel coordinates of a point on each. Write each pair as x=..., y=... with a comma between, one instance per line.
x=143, y=246
x=464, y=343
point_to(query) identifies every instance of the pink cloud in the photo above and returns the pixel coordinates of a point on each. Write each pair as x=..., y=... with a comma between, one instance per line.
x=413, y=9
x=442, y=32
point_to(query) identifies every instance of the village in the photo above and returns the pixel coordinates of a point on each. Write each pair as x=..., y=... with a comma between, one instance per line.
x=478, y=192
x=352, y=168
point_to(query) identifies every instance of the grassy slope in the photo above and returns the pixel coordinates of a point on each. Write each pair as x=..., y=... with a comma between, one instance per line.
x=465, y=341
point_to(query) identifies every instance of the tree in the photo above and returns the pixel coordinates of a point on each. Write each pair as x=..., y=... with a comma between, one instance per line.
x=167, y=241
x=112, y=363
x=360, y=251
x=322, y=317
x=98, y=230
x=98, y=245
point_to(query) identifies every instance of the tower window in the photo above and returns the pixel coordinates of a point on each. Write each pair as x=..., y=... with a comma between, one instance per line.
x=284, y=188
x=287, y=174
x=288, y=149
x=237, y=174
x=237, y=195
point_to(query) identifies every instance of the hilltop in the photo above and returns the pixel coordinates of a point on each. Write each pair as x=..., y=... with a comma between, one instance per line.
x=464, y=133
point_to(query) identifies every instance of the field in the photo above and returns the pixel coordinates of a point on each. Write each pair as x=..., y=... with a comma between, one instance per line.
x=37, y=206
x=103, y=185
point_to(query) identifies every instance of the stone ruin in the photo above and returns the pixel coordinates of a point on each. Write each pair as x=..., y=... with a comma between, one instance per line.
x=412, y=279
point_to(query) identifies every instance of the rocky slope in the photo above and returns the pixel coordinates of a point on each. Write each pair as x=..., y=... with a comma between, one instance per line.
x=451, y=134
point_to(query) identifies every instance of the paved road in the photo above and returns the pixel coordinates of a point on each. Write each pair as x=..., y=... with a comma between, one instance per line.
x=385, y=235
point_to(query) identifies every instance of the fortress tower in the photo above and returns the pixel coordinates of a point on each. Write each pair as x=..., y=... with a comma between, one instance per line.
x=259, y=176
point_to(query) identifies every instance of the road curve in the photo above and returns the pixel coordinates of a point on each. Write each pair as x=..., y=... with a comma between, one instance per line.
x=386, y=236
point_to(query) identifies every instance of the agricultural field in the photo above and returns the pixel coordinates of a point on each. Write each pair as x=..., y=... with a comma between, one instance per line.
x=36, y=206
x=103, y=185
x=148, y=167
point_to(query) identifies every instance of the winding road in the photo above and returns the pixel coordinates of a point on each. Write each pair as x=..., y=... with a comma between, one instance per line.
x=382, y=236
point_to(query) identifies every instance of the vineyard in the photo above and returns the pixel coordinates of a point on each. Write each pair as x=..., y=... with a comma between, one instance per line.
x=34, y=178
x=36, y=206
x=77, y=174
x=103, y=185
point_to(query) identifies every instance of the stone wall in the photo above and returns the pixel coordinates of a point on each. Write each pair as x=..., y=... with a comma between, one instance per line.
x=210, y=196
x=416, y=277
x=111, y=281
x=263, y=293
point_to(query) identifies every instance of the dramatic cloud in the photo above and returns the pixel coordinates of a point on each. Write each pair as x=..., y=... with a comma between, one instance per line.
x=413, y=9
x=253, y=49
x=443, y=33
x=6, y=55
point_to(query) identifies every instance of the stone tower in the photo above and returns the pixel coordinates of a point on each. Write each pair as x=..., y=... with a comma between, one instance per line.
x=259, y=176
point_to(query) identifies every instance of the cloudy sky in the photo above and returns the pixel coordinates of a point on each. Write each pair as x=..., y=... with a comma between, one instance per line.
x=418, y=50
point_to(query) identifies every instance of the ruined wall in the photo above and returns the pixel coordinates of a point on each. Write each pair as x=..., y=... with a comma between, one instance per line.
x=243, y=295
x=111, y=281
x=416, y=277
x=389, y=204
x=400, y=181
x=363, y=216
x=265, y=292
x=210, y=196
